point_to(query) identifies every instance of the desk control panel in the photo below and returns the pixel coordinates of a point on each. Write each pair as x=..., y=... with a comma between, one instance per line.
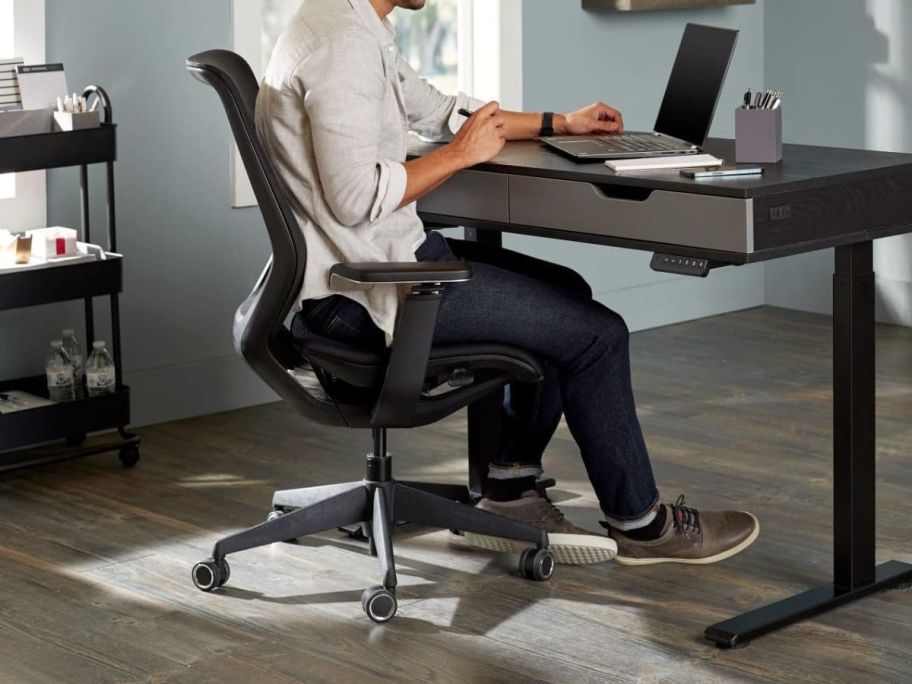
x=689, y=266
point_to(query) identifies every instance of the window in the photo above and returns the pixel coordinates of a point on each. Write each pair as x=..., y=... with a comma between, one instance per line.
x=443, y=42
x=23, y=198
x=429, y=40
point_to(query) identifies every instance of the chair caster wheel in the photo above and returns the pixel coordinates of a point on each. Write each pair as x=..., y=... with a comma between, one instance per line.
x=537, y=564
x=129, y=455
x=355, y=533
x=210, y=575
x=379, y=604
x=275, y=515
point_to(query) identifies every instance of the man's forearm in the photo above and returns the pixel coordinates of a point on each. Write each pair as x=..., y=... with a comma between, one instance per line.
x=427, y=172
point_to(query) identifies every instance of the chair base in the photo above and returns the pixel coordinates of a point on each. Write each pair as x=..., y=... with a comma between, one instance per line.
x=375, y=505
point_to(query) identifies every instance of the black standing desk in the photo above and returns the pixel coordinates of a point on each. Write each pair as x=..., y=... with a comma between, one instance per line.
x=815, y=199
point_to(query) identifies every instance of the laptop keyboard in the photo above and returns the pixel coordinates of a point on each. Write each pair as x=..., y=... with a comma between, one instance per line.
x=640, y=143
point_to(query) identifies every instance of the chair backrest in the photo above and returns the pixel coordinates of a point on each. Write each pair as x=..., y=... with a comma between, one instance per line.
x=259, y=328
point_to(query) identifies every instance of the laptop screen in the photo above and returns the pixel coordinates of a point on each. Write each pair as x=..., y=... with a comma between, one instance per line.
x=696, y=83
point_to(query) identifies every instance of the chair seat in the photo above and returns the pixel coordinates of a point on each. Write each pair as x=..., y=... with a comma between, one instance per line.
x=366, y=368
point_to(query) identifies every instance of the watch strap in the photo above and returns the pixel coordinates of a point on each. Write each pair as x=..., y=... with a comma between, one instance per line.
x=547, y=128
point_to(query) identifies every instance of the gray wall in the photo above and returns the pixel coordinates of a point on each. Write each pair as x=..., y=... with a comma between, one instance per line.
x=190, y=258
x=845, y=66
x=573, y=58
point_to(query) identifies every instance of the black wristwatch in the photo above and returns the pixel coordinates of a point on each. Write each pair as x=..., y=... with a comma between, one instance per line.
x=547, y=129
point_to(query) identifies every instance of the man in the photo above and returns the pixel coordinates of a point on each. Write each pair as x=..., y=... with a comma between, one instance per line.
x=335, y=110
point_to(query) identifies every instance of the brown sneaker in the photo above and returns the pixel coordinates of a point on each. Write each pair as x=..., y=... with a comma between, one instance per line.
x=691, y=536
x=571, y=545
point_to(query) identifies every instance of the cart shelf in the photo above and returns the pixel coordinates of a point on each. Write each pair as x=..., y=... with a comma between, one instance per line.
x=56, y=150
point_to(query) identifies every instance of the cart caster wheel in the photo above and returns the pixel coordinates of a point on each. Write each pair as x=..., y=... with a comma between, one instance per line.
x=210, y=575
x=537, y=564
x=379, y=603
x=129, y=455
x=76, y=441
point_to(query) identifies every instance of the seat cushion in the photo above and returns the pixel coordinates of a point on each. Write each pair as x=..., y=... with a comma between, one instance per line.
x=366, y=368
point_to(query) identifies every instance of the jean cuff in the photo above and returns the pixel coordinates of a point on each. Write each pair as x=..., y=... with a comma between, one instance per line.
x=513, y=471
x=636, y=522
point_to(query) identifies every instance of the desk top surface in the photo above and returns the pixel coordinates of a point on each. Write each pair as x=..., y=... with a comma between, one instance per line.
x=803, y=167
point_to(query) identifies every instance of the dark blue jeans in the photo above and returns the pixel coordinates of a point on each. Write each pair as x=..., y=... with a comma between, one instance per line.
x=584, y=346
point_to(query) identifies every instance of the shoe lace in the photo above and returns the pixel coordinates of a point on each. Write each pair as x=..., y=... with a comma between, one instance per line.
x=552, y=513
x=684, y=517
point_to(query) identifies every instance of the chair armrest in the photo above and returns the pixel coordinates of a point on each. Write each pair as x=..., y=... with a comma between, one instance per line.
x=344, y=276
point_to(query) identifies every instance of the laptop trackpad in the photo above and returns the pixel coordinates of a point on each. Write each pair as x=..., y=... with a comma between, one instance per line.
x=585, y=146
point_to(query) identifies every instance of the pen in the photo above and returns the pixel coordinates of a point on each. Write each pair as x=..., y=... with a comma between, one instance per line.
x=747, y=99
x=465, y=112
x=757, y=100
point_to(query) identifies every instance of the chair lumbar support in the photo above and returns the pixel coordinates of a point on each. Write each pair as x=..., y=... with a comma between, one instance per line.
x=375, y=503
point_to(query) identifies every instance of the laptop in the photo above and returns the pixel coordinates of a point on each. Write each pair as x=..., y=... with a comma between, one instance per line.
x=687, y=110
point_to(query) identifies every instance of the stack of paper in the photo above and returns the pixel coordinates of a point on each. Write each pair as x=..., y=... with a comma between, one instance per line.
x=10, y=98
x=41, y=85
x=683, y=161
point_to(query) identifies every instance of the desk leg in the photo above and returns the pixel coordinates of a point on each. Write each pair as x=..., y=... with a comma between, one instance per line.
x=485, y=416
x=855, y=572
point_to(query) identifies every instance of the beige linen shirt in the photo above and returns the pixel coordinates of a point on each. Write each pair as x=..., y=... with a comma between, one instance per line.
x=334, y=112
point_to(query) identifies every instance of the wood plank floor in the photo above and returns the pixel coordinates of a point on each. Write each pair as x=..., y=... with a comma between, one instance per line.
x=94, y=560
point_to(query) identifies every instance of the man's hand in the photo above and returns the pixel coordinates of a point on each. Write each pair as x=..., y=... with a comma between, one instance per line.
x=479, y=140
x=481, y=137
x=596, y=119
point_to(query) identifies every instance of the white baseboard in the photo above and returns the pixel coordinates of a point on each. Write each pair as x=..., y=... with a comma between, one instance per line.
x=680, y=299
x=813, y=292
x=160, y=395
x=894, y=301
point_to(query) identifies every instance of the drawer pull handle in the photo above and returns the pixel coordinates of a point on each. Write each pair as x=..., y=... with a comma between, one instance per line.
x=621, y=192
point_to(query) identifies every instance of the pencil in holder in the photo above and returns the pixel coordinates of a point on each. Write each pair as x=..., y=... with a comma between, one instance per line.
x=758, y=136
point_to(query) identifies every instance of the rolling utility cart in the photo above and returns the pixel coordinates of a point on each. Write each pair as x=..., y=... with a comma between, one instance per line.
x=28, y=437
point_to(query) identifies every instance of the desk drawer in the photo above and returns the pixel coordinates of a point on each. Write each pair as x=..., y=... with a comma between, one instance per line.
x=674, y=218
x=472, y=195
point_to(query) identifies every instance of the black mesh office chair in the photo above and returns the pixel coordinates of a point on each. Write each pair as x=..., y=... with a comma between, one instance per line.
x=414, y=383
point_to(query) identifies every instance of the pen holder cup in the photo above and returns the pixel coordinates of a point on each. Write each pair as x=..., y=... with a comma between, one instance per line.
x=758, y=136
x=77, y=121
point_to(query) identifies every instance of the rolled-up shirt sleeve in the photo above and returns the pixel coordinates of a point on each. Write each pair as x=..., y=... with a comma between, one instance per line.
x=344, y=90
x=431, y=114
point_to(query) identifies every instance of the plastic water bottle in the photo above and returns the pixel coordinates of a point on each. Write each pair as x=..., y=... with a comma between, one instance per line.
x=101, y=377
x=71, y=347
x=59, y=371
